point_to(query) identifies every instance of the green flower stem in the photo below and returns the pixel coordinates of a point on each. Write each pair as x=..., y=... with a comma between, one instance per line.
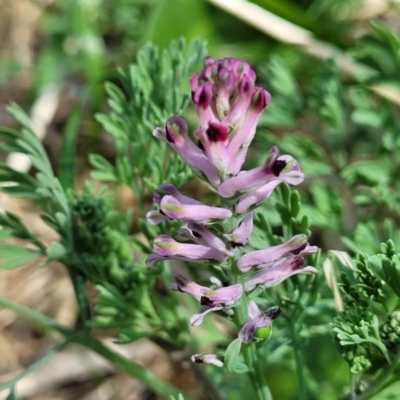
x=135, y=370
x=79, y=285
x=256, y=371
x=298, y=359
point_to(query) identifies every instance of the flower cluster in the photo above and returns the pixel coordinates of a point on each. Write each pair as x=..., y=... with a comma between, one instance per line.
x=228, y=106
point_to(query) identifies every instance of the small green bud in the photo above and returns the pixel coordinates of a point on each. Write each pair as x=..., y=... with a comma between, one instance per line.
x=263, y=333
x=360, y=364
x=390, y=330
x=295, y=203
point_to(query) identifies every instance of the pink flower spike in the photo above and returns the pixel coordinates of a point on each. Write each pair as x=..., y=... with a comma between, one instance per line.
x=240, y=236
x=174, y=209
x=263, y=319
x=261, y=258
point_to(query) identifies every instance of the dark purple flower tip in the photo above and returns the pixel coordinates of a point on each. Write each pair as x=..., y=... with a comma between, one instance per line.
x=217, y=132
x=202, y=97
x=208, y=61
x=176, y=128
x=278, y=166
x=297, y=263
x=246, y=86
x=297, y=251
x=261, y=98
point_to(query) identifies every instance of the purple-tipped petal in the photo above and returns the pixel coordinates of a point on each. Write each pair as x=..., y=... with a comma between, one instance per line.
x=211, y=299
x=256, y=100
x=201, y=234
x=276, y=274
x=207, y=359
x=207, y=297
x=226, y=295
x=250, y=200
x=247, y=181
x=246, y=334
x=214, y=138
x=259, y=182
x=185, y=284
x=167, y=189
x=260, y=258
x=174, y=209
x=165, y=246
x=197, y=319
x=155, y=217
x=177, y=137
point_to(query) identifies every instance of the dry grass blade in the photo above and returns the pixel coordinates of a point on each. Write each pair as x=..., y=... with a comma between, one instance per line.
x=292, y=34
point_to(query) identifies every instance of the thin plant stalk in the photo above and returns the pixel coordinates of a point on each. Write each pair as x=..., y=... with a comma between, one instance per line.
x=131, y=368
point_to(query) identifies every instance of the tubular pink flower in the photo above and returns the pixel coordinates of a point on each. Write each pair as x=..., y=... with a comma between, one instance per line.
x=276, y=169
x=201, y=234
x=176, y=135
x=240, y=236
x=174, y=205
x=167, y=248
x=257, y=320
x=262, y=258
x=246, y=124
x=174, y=209
x=211, y=299
x=166, y=189
x=276, y=274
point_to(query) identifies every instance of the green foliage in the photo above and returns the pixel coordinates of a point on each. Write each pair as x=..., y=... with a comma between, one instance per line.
x=94, y=244
x=100, y=246
x=367, y=329
x=381, y=49
x=151, y=93
x=231, y=358
x=45, y=189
